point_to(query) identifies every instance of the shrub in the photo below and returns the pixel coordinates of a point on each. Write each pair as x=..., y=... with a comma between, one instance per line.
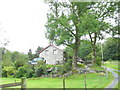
x=22, y=72
x=98, y=61
x=81, y=65
x=39, y=71
x=49, y=66
x=9, y=71
x=30, y=73
x=4, y=73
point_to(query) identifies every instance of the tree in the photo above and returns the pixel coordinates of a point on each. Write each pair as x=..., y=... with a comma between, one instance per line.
x=69, y=21
x=94, y=23
x=63, y=24
x=111, y=49
x=84, y=50
x=22, y=59
x=36, y=55
x=6, y=59
x=30, y=55
x=115, y=31
x=14, y=56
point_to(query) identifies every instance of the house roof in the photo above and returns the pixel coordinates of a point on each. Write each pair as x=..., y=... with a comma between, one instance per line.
x=48, y=47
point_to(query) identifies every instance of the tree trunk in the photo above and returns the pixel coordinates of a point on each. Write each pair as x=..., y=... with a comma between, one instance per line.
x=94, y=54
x=75, y=58
x=75, y=49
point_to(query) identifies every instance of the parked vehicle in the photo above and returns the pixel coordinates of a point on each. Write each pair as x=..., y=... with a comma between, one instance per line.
x=35, y=60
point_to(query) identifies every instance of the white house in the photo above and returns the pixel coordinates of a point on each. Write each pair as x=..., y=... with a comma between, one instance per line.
x=52, y=55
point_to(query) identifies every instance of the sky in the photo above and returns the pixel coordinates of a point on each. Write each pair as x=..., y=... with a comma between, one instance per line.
x=22, y=24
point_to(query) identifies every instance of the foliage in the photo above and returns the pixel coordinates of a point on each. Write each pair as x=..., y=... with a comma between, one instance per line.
x=64, y=28
x=68, y=22
x=85, y=49
x=30, y=55
x=84, y=52
x=22, y=72
x=67, y=66
x=111, y=49
x=7, y=60
x=21, y=60
x=9, y=71
x=81, y=65
x=39, y=71
x=115, y=30
x=97, y=25
x=15, y=56
x=36, y=55
x=98, y=61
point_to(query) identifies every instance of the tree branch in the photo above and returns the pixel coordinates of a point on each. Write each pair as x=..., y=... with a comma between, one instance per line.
x=67, y=28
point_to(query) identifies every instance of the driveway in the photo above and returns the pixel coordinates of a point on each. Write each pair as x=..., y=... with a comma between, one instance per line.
x=116, y=78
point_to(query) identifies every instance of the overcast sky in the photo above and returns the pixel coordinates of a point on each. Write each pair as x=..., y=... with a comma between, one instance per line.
x=23, y=22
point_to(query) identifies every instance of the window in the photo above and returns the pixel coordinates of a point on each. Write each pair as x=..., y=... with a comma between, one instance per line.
x=46, y=52
x=54, y=52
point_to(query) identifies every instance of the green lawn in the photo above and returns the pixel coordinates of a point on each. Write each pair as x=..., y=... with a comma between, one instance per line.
x=94, y=80
x=112, y=64
x=96, y=67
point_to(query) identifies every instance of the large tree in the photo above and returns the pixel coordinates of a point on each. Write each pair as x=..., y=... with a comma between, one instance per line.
x=69, y=21
x=94, y=22
x=63, y=24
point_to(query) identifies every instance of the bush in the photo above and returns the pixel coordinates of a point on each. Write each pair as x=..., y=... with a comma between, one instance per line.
x=22, y=72
x=67, y=66
x=30, y=73
x=4, y=73
x=49, y=66
x=9, y=71
x=98, y=61
x=81, y=65
x=39, y=71
x=25, y=71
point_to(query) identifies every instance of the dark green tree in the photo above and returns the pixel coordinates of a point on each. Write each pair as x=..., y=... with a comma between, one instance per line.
x=111, y=49
x=94, y=22
x=36, y=55
x=15, y=56
x=30, y=55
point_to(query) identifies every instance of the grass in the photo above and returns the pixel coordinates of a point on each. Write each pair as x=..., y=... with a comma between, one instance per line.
x=93, y=80
x=116, y=86
x=112, y=64
x=96, y=67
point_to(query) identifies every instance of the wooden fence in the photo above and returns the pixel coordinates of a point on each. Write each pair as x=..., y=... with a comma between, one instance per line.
x=22, y=84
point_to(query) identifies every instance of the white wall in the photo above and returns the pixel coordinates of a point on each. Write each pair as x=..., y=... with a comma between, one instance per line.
x=52, y=55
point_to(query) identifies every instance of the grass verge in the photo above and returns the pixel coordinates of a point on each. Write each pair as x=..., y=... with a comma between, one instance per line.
x=112, y=64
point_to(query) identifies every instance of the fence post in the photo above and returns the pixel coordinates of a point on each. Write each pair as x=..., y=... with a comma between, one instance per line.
x=85, y=81
x=106, y=71
x=63, y=82
x=23, y=82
